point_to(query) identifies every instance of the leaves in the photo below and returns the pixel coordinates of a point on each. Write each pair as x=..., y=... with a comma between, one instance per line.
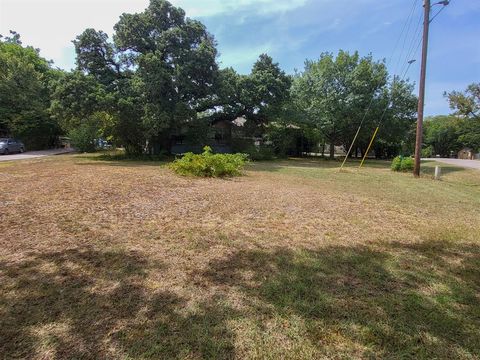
x=25, y=81
x=466, y=103
x=337, y=94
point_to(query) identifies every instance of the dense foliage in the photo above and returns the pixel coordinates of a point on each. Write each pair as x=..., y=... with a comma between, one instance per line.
x=83, y=137
x=25, y=89
x=157, y=83
x=333, y=94
x=402, y=163
x=446, y=135
x=466, y=103
x=208, y=164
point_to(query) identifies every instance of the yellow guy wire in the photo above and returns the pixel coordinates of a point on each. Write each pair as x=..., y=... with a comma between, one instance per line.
x=369, y=146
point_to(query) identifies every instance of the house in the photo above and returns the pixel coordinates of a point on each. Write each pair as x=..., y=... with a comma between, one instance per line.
x=467, y=153
x=218, y=136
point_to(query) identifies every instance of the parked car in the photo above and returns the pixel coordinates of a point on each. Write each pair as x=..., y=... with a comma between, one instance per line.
x=103, y=144
x=9, y=145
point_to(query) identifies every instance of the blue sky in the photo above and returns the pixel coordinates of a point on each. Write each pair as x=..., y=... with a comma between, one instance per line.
x=288, y=30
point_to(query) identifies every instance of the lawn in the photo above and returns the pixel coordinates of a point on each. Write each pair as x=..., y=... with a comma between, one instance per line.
x=121, y=259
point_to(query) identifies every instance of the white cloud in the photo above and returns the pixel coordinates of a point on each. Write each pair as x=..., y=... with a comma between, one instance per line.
x=244, y=56
x=51, y=25
x=204, y=8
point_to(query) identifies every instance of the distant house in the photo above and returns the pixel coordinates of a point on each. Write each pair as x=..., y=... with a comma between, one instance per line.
x=238, y=135
x=467, y=153
x=219, y=137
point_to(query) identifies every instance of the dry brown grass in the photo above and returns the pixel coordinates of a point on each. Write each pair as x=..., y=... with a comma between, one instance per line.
x=127, y=260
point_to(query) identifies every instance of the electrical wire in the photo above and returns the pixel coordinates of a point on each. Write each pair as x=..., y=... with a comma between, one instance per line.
x=438, y=12
x=417, y=34
x=409, y=22
x=404, y=74
x=407, y=25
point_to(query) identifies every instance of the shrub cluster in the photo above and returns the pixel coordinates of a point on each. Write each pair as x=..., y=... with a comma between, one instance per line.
x=83, y=137
x=208, y=164
x=259, y=153
x=401, y=163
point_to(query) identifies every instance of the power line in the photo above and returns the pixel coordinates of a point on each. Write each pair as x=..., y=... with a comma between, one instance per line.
x=409, y=22
x=413, y=49
x=416, y=34
x=438, y=12
x=404, y=73
x=406, y=25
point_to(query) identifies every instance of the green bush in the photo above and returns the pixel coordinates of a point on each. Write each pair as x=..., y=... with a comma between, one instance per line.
x=259, y=153
x=427, y=152
x=208, y=164
x=401, y=163
x=83, y=137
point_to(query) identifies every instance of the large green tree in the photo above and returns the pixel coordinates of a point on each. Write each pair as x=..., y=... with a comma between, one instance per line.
x=259, y=97
x=396, y=122
x=25, y=79
x=467, y=105
x=442, y=134
x=175, y=62
x=333, y=93
x=97, y=56
x=76, y=97
x=159, y=69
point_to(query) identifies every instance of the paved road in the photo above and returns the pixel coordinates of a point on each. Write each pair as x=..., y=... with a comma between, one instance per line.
x=471, y=164
x=34, y=154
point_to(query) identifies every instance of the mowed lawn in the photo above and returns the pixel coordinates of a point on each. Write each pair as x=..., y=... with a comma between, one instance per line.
x=117, y=259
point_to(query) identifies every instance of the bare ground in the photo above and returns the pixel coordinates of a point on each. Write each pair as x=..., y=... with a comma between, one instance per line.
x=295, y=259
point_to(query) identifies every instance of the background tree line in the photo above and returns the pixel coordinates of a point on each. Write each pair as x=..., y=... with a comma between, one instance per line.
x=159, y=77
x=445, y=135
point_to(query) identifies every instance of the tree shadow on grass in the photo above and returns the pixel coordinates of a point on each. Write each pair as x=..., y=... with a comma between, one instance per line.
x=391, y=301
x=93, y=304
x=402, y=301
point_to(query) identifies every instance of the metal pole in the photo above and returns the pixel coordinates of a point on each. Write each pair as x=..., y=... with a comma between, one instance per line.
x=421, y=93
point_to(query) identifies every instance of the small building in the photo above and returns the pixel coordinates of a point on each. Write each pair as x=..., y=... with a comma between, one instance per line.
x=218, y=136
x=468, y=154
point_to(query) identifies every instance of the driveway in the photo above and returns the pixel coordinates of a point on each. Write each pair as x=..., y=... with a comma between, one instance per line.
x=34, y=154
x=471, y=164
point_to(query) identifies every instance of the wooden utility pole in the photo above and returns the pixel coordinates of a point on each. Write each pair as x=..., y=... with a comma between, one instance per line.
x=421, y=92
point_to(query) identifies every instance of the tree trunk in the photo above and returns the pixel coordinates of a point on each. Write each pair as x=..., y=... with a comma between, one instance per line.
x=332, y=150
x=323, y=150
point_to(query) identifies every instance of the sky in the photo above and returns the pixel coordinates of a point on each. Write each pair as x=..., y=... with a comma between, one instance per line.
x=288, y=30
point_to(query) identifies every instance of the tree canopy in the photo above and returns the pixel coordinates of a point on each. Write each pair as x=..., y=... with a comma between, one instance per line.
x=466, y=103
x=158, y=76
x=25, y=88
x=337, y=94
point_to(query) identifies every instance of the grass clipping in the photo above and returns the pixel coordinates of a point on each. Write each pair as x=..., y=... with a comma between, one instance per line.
x=208, y=164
